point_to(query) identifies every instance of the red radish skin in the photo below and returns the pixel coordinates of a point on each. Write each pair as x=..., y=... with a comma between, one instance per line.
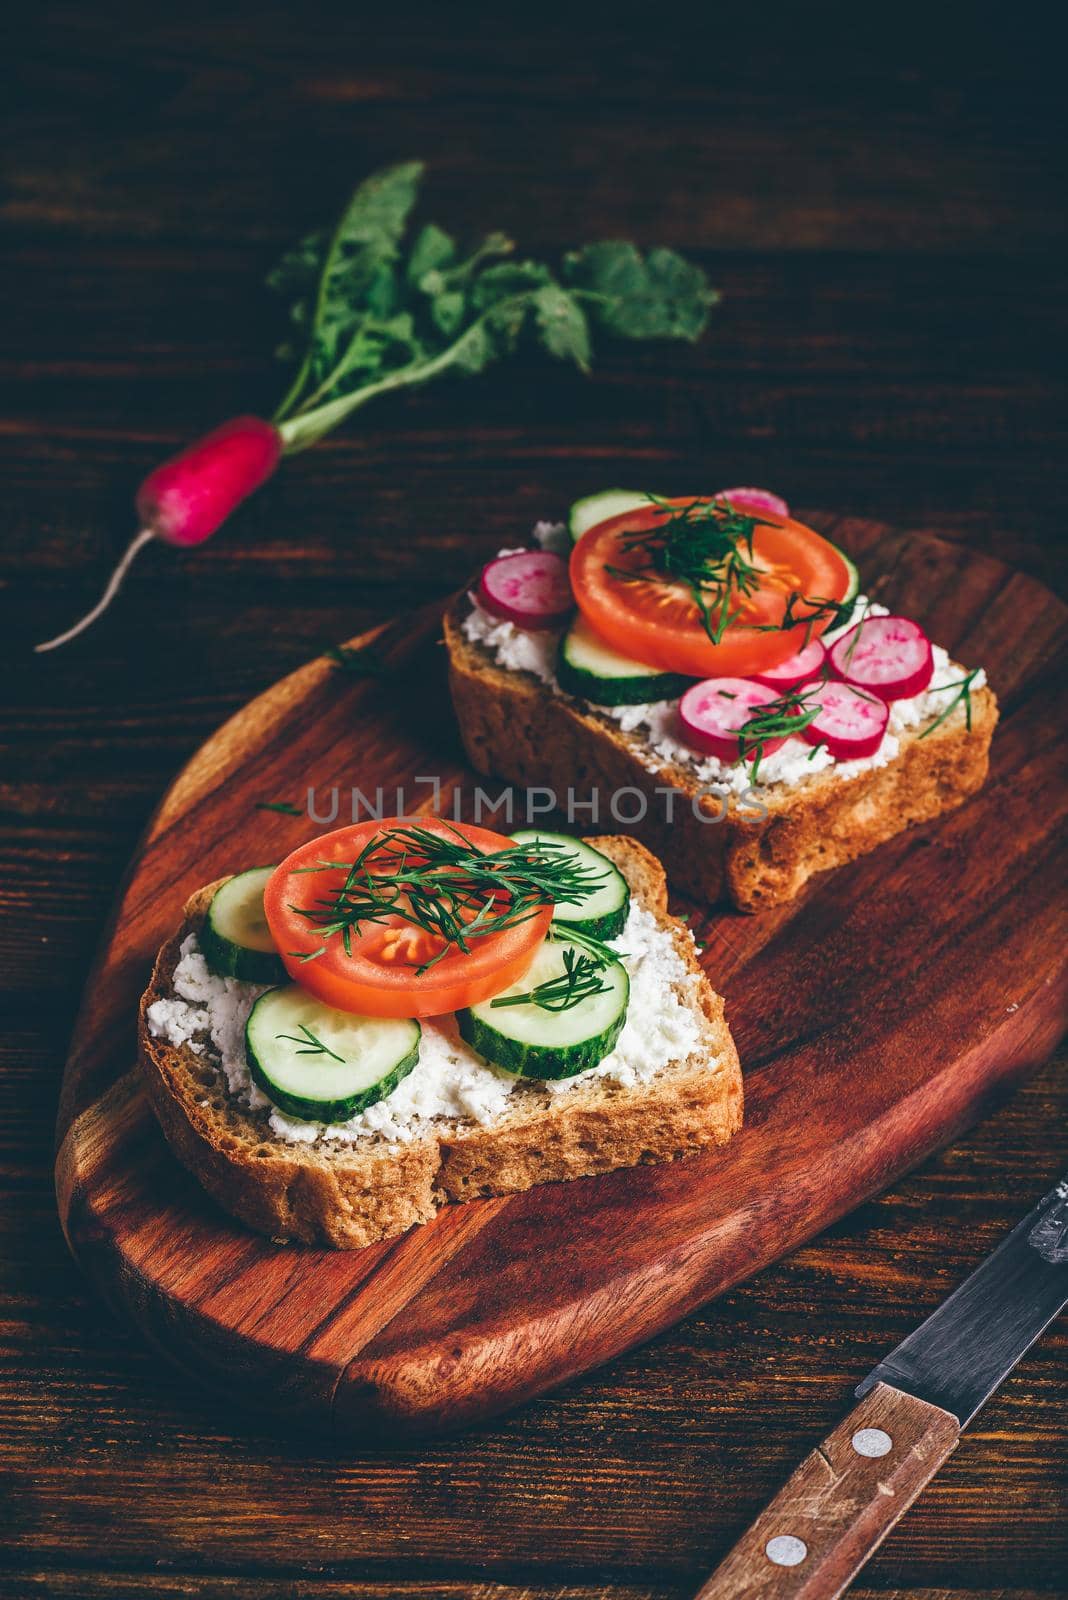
x=851, y=722
x=756, y=501
x=530, y=588
x=185, y=499
x=806, y=665
x=714, y=711
x=886, y=656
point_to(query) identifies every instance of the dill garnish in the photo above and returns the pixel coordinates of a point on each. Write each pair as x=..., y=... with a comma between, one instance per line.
x=858, y=629
x=963, y=687
x=444, y=886
x=285, y=807
x=579, y=981
x=311, y=1045
x=790, y=713
x=787, y=714
x=357, y=663
x=836, y=613
x=706, y=545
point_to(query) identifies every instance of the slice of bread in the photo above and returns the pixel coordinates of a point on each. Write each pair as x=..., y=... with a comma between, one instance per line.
x=349, y=1195
x=516, y=727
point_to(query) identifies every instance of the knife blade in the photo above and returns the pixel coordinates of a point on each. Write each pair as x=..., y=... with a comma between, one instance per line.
x=968, y=1347
x=844, y=1498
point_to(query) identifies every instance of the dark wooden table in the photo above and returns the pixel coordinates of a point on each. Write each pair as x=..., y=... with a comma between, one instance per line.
x=885, y=219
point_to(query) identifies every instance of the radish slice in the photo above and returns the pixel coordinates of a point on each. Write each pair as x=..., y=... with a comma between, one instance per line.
x=851, y=723
x=531, y=589
x=755, y=500
x=714, y=712
x=807, y=664
x=887, y=656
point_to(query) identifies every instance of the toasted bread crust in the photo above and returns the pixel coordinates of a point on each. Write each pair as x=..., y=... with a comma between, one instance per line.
x=515, y=728
x=352, y=1195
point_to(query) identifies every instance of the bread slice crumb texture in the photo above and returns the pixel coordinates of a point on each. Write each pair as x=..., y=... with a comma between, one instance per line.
x=457, y=1128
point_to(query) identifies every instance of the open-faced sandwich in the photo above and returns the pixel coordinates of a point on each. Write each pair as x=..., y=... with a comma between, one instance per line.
x=706, y=673
x=405, y=1014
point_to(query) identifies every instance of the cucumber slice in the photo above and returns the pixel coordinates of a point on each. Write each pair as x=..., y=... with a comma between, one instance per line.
x=235, y=939
x=854, y=585
x=602, y=914
x=534, y=1043
x=597, y=508
x=588, y=667
x=321, y=1064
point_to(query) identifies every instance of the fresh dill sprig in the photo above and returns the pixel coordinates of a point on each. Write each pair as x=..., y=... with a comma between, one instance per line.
x=706, y=545
x=579, y=981
x=364, y=662
x=834, y=612
x=789, y=713
x=597, y=947
x=963, y=687
x=285, y=807
x=312, y=1046
x=443, y=885
x=857, y=630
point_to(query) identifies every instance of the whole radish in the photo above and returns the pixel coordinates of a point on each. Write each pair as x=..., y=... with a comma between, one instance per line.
x=379, y=310
x=186, y=498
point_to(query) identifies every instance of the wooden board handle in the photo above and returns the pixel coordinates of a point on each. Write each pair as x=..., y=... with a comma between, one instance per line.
x=840, y=1504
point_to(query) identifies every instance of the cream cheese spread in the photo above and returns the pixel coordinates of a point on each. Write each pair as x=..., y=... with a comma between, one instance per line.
x=450, y=1082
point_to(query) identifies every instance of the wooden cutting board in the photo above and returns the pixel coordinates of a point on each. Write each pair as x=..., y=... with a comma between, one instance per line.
x=875, y=1018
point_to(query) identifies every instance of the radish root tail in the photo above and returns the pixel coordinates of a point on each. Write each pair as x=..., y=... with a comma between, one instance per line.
x=114, y=585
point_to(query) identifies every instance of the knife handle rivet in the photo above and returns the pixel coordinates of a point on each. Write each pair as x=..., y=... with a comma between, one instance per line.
x=872, y=1442
x=786, y=1551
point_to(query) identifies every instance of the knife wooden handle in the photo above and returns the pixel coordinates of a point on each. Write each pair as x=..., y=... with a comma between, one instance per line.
x=840, y=1504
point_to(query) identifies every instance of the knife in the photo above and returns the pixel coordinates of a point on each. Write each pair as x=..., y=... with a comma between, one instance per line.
x=844, y=1498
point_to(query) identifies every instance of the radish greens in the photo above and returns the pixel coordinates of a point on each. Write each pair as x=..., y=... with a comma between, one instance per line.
x=371, y=311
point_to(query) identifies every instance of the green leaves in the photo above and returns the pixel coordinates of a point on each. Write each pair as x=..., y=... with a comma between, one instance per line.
x=370, y=318
x=343, y=288
x=357, y=273
x=662, y=296
x=432, y=250
x=562, y=325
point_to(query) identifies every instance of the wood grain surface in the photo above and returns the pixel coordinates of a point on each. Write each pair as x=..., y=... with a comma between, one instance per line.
x=904, y=995
x=881, y=203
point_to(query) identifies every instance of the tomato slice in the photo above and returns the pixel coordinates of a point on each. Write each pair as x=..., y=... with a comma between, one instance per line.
x=377, y=976
x=659, y=623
